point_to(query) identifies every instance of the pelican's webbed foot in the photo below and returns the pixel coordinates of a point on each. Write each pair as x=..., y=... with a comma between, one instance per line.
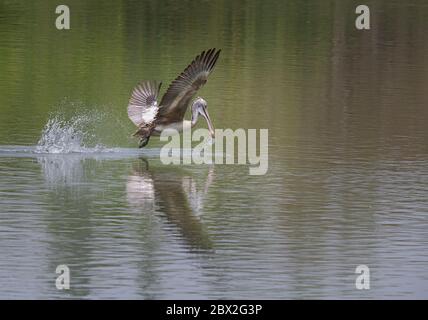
x=143, y=142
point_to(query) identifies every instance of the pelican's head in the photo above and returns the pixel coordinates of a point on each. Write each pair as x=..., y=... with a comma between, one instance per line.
x=200, y=106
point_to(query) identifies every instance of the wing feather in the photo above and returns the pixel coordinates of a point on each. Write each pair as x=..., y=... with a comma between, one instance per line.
x=175, y=101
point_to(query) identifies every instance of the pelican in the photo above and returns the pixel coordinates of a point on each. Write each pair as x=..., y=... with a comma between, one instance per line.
x=152, y=118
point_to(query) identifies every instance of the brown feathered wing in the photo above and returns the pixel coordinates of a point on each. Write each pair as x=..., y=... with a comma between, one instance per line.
x=175, y=101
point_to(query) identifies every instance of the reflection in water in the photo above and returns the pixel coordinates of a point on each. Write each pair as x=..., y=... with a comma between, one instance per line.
x=140, y=191
x=70, y=231
x=177, y=196
x=61, y=170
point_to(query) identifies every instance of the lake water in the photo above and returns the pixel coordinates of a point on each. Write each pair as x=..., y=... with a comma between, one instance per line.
x=347, y=184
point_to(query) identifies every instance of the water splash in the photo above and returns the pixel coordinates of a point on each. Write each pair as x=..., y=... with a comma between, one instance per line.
x=61, y=135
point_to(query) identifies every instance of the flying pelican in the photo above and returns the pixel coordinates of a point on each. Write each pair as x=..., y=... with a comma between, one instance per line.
x=152, y=118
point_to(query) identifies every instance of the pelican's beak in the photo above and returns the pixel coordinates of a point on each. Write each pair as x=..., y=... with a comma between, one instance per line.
x=205, y=114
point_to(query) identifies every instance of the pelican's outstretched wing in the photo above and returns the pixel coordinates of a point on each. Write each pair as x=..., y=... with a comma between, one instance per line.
x=143, y=106
x=176, y=99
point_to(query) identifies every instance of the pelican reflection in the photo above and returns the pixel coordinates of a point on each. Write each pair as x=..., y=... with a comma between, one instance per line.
x=175, y=194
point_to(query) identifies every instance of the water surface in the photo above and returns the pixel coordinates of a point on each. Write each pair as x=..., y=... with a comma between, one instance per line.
x=348, y=155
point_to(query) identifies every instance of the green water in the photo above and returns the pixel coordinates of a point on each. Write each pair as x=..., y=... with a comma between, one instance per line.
x=347, y=184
